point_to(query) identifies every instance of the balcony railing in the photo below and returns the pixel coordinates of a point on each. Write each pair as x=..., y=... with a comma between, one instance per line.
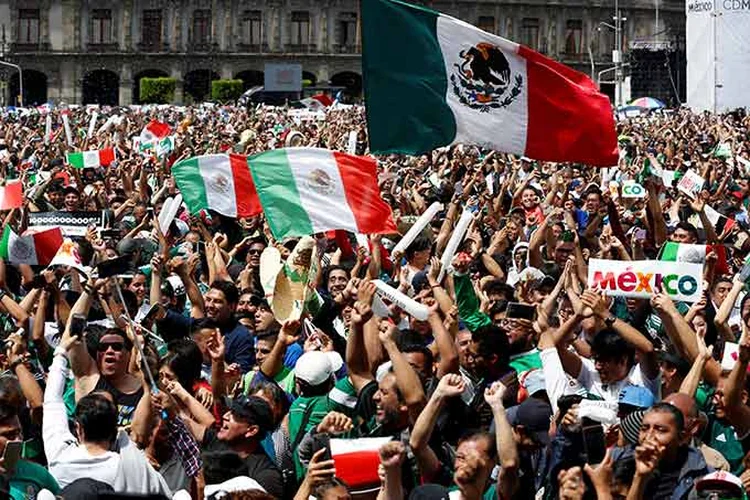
x=203, y=46
x=300, y=48
x=153, y=46
x=103, y=47
x=347, y=49
x=30, y=47
x=252, y=47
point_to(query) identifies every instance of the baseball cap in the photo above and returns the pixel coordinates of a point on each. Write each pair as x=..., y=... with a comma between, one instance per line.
x=254, y=411
x=720, y=480
x=534, y=382
x=430, y=492
x=314, y=367
x=630, y=426
x=534, y=415
x=635, y=395
x=236, y=484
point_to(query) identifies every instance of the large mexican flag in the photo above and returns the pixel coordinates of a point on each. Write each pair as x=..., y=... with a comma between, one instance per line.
x=431, y=80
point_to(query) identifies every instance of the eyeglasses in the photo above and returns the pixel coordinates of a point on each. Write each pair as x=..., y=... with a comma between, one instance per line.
x=116, y=346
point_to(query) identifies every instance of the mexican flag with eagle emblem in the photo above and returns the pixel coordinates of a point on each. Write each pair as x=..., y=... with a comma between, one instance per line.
x=431, y=80
x=302, y=191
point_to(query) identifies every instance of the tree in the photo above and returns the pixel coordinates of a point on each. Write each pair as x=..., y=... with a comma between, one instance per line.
x=226, y=90
x=157, y=90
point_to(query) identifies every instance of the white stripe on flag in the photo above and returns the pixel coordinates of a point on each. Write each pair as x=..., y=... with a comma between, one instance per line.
x=505, y=128
x=90, y=159
x=219, y=182
x=326, y=207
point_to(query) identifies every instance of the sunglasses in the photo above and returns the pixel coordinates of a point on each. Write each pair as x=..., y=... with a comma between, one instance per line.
x=255, y=252
x=116, y=346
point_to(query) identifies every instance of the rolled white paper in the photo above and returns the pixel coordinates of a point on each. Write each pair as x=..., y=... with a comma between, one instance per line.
x=92, y=124
x=456, y=238
x=416, y=229
x=411, y=306
x=110, y=121
x=351, y=147
x=362, y=241
x=68, y=133
x=48, y=128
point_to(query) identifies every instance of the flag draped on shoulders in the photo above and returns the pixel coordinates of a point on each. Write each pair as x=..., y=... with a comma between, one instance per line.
x=431, y=80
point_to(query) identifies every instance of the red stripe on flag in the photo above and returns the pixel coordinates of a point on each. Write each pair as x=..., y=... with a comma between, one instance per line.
x=359, y=468
x=569, y=120
x=360, y=178
x=248, y=203
x=106, y=156
x=159, y=129
x=12, y=196
x=47, y=243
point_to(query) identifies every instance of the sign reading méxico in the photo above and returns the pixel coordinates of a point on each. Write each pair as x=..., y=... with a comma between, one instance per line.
x=645, y=278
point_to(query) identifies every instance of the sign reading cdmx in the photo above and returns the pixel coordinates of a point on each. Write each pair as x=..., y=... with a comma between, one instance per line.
x=736, y=5
x=645, y=278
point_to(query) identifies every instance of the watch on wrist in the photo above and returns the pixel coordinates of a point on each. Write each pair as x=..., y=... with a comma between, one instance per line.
x=610, y=320
x=3, y=293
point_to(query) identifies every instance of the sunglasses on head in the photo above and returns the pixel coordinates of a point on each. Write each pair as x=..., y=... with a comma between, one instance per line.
x=116, y=346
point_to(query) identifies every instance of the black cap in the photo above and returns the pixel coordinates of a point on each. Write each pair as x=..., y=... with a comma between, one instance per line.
x=681, y=364
x=534, y=415
x=254, y=411
x=430, y=492
x=86, y=489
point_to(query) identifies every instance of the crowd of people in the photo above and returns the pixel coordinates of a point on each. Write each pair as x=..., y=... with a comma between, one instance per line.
x=174, y=378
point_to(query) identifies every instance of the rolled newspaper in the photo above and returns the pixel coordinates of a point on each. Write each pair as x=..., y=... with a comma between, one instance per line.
x=417, y=228
x=456, y=238
x=411, y=306
x=92, y=124
x=48, y=128
x=66, y=125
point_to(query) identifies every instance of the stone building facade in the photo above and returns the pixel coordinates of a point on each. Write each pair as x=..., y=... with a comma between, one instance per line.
x=96, y=51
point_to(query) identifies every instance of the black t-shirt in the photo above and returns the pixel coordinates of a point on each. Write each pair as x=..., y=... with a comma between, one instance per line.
x=259, y=466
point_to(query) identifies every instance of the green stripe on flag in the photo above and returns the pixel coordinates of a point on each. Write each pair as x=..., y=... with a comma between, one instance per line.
x=278, y=194
x=187, y=175
x=404, y=78
x=76, y=159
x=4, y=242
x=669, y=251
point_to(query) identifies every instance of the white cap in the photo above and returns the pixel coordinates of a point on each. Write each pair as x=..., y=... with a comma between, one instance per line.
x=236, y=484
x=314, y=367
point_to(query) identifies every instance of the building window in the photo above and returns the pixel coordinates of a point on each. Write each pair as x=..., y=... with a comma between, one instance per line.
x=101, y=26
x=300, y=28
x=486, y=23
x=574, y=37
x=28, y=26
x=201, y=26
x=151, y=28
x=347, y=29
x=251, y=27
x=530, y=32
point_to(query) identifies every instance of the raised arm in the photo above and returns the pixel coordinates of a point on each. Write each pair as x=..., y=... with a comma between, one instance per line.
x=450, y=385
x=274, y=362
x=507, y=452
x=407, y=379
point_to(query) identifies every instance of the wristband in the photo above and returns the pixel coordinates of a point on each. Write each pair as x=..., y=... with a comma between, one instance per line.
x=60, y=351
x=3, y=293
x=89, y=289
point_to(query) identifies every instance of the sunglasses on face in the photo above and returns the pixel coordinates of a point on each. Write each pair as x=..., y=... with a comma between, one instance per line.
x=255, y=252
x=116, y=346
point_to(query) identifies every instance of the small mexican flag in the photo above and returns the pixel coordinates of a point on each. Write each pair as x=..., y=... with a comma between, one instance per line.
x=154, y=131
x=219, y=183
x=91, y=159
x=11, y=195
x=696, y=254
x=309, y=190
x=431, y=80
x=33, y=248
x=357, y=460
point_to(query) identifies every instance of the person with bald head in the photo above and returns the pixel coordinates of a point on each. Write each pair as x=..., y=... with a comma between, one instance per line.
x=695, y=424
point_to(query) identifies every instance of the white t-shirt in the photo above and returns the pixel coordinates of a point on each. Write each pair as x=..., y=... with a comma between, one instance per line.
x=590, y=380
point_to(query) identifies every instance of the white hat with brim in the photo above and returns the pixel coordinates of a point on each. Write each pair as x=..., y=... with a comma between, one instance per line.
x=236, y=484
